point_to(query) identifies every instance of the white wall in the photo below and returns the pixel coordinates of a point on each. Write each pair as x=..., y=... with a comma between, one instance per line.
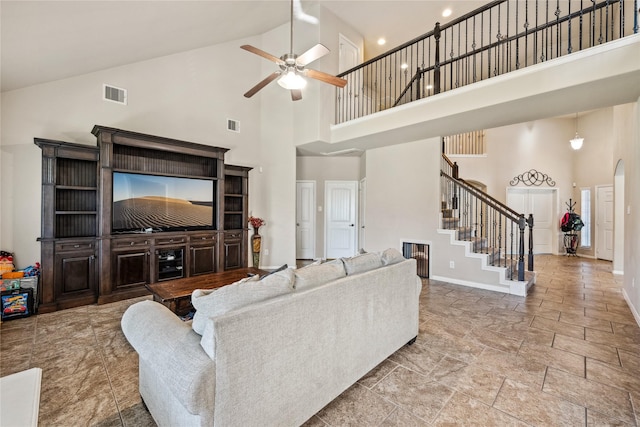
x=402, y=193
x=321, y=169
x=626, y=125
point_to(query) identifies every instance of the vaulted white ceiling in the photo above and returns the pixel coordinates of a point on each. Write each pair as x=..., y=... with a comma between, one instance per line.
x=50, y=40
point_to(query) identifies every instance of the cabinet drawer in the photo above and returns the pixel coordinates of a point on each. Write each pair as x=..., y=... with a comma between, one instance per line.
x=203, y=238
x=128, y=243
x=233, y=236
x=74, y=246
x=170, y=240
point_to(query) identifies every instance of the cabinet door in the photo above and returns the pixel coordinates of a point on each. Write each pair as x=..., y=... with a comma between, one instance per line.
x=203, y=260
x=130, y=268
x=232, y=251
x=75, y=273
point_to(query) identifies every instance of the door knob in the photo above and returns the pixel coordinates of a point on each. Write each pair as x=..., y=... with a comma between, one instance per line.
x=351, y=225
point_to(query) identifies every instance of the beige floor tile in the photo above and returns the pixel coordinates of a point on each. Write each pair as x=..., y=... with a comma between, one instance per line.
x=610, y=401
x=602, y=352
x=94, y=410
x=512, y=366
x=374, y=376
x=560, y=327
x=536, y=310
x=563, y=308
x=630, y=361
x=611, y=316
x=608, y=375
x=418, y=358
x=414, y=393
x=356, y=406
x=616, y=340
x=596, y=419
x=462, y=410
x=314, y=422
x=587, y=321
x=472, y=380
x=536, y=407
x=401, y=418
x=455, y=327
x=549, y=356
x=460, y=348
x=629, y=331
x=495, y=340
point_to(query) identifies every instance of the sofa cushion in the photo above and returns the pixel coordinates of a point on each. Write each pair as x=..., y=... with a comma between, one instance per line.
x=210, y=303
x=391, y=256
x=315, y=274
x=361, y=263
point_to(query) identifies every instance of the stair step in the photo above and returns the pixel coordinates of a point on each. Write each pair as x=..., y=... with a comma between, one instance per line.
x=447, y=213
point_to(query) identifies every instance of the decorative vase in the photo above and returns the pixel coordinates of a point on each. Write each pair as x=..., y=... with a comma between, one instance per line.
x=256, y=242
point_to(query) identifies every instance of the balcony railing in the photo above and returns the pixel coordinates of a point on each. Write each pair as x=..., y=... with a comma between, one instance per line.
x=502, y=36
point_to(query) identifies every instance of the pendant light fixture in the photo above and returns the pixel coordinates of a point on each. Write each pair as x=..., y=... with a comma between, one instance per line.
x=576, y=142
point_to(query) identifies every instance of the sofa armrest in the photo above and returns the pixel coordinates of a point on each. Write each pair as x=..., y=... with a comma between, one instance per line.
x=173, y=351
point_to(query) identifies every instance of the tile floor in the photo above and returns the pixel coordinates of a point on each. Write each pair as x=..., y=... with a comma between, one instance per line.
x=567, y=354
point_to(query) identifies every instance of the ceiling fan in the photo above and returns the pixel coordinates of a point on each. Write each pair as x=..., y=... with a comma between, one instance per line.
x=292, y=68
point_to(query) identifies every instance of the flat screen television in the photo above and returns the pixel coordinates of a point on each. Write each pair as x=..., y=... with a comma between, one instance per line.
x=143, y=202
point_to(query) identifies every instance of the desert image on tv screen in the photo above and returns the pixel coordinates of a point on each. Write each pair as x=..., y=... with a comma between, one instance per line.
x=161, y=202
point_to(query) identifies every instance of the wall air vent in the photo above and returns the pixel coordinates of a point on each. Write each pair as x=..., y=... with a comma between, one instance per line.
x=233, y=125
x=114, y=94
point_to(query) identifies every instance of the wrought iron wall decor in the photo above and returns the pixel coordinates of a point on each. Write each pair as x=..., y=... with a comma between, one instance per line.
x=533, y=177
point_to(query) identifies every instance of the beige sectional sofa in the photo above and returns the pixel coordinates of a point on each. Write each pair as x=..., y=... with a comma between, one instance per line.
x=273, y=352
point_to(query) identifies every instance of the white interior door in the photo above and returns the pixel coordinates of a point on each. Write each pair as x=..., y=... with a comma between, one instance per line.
x=340, y=218
x=538, y=202
x=348, y=57
x=305, y=219
x=361, y=209
x=604, y=222
x=349, y=54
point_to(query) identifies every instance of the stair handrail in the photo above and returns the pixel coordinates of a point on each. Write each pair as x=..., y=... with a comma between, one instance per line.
x=486, y=198
x=468, y=186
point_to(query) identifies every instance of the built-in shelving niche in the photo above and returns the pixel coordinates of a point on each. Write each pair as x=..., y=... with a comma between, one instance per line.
x=162, y=162
x=76, y=198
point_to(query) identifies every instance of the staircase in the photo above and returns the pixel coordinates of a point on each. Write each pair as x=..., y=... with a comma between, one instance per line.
x=485, y=236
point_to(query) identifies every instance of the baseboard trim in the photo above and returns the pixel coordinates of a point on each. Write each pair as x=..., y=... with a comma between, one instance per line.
x=635, y=313
x=618, y=272
x=503, y=288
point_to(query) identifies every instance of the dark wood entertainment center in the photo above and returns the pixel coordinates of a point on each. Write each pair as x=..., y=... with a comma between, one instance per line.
x=84, y=261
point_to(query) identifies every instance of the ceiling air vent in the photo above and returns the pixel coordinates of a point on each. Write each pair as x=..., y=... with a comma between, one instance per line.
x=233, y=125
x=114, y=94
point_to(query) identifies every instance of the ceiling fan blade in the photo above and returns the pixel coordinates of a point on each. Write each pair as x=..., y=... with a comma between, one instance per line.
x=316, y=52
x=327, y=78
x=262, y=53
x=296, y=94
x=271, y=77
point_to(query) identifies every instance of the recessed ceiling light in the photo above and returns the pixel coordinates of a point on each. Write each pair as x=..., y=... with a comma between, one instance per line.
x=446, y=13
x=404, y=66
x=381, y=41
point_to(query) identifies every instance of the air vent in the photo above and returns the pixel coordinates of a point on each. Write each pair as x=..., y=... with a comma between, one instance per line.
x=114, y=94
x=233, y=125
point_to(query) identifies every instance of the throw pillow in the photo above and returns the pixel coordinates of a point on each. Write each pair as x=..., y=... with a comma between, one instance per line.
x=361, y=263
x=237, y=295
x=312, y=275
x=391, y=256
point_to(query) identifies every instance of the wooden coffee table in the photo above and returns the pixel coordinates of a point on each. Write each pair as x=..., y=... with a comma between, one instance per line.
x=176, y=294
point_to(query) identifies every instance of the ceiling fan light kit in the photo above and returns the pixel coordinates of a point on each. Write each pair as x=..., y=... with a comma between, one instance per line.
x=292, y=68
x=290, y=80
